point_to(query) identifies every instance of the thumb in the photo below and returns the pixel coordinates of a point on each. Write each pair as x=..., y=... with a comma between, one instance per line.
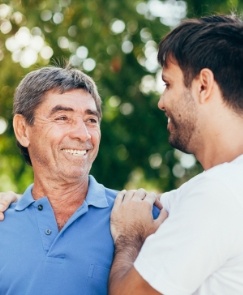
x=161, y=218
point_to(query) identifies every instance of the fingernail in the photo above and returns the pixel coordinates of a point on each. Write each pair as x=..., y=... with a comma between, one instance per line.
x=1, y=207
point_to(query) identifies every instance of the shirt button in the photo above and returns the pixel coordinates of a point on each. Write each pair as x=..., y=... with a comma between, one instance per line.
x=40, y=207
x=48, y=232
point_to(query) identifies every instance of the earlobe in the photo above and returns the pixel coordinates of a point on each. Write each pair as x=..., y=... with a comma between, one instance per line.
x=206, y=83
x=21, y=130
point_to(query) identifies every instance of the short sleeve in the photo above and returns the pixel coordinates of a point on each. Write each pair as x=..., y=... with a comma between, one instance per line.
x=193, y=241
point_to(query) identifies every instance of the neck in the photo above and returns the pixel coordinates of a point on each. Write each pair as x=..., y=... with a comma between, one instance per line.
x=220, y=149
x=65, y=198
x=219, y=136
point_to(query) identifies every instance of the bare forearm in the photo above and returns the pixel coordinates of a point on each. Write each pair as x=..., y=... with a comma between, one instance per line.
x=131, y=223
x=124, y=279
x=127, y=281
x=126, y=251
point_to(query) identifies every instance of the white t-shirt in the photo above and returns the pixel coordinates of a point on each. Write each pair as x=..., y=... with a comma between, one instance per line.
x=199, y=248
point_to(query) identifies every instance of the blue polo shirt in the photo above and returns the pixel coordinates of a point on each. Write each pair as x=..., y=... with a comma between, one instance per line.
x=37, y=259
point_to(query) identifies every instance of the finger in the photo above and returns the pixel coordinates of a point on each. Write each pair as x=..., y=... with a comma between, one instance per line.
x=139, y=194
x=159, y=196
x=158, y=204
x=161, y=218
x=3, y=206
x=119, y=199
x=6, y=198
x=150, y=198
x=6, y=202
x=128, y=195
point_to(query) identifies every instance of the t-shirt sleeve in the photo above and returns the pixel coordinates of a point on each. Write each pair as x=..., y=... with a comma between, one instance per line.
x=193, y=241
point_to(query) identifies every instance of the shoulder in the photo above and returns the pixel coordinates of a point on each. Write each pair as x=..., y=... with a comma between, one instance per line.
x=224, y=177
x=13, y=219
x=101, y=190
x=111, y=193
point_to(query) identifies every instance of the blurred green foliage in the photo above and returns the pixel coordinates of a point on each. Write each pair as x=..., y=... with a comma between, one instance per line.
x=115, y=42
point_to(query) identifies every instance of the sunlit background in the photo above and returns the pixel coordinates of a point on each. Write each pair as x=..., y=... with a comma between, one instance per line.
x=116, y=43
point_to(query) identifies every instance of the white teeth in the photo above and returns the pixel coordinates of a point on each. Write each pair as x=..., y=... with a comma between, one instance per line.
x=76, y=152
x=168, y=120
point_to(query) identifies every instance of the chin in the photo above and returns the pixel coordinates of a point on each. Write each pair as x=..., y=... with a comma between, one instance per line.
x=177, y=144
x=73, y=174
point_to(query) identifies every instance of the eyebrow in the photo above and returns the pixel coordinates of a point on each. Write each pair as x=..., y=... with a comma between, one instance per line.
x=58, y=108
x=92, y=112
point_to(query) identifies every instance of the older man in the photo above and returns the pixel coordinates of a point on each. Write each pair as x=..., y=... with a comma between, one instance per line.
x=56, y=239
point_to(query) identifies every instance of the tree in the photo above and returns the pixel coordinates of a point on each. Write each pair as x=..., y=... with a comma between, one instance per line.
x=116, y=43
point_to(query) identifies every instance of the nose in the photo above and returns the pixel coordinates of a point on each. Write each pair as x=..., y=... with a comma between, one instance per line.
x=161, y=103
x=80, y=131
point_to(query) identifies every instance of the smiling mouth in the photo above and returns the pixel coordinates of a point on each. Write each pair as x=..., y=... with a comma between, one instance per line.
x=76, y=152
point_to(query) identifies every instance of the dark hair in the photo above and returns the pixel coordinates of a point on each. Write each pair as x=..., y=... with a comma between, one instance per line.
x=33, y=87
x=214, y=42
x=220, y=19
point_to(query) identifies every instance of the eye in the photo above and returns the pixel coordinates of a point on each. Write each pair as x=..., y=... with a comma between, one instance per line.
x=93, y=121
x=166, y=84
x=62, y=118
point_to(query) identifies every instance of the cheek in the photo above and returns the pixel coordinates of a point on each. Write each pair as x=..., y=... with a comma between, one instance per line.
x=96, y=136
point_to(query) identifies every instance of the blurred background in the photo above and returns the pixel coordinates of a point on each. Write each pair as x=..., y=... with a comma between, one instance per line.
x=115, y=42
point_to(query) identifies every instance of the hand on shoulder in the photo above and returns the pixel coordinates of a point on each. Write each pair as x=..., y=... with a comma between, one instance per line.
x=6, y=199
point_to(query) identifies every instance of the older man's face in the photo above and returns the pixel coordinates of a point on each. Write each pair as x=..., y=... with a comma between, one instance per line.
x=64, y=140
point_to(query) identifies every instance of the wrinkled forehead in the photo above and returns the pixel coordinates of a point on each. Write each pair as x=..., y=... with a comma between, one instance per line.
x=75, y=100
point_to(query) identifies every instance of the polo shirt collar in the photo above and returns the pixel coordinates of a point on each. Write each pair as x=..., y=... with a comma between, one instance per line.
x=26, y=200
x=96, y=196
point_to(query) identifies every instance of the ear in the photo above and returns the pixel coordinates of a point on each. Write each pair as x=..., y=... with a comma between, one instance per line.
x=21, y=130
x=205, y=84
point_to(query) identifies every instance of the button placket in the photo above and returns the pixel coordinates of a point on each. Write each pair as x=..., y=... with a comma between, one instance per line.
x=47, y=231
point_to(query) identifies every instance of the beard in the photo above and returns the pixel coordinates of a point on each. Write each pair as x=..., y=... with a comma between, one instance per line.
x=180, y=138
x=182, y=126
